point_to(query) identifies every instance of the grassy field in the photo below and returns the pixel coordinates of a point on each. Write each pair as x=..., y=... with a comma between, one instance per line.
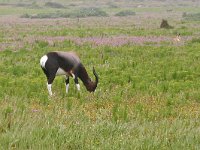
x=148, y=94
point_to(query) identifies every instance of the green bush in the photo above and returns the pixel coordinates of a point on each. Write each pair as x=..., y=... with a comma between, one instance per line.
x=54, y=5
x=33, y=5
x=89, y=12
x=25, y=16
x=195, y=40
x=195, y=16
x=46, y=15
x=83, y=12
x=125, y=13
x=112, y=5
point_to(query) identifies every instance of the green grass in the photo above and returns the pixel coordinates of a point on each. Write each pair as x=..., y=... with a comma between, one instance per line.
x=147, y=97
x=113, y=31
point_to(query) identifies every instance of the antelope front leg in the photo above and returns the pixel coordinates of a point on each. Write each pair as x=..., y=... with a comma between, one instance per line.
x=76, y=82
x=67, y=84
x=49, y=89
x=74, y=76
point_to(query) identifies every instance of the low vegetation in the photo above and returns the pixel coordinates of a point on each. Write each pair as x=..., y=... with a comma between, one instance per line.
x=148, y=93
x=81, y=13
x=125, y=13
x=164, y=24
x=54, y=5
x=192, y=16
x=32, y=5
x=155, y=94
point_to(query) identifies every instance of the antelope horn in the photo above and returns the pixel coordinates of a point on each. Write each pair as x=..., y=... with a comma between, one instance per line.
x=96, y=76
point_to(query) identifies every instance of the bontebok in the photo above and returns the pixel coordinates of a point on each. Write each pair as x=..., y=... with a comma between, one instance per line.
x=68, y=64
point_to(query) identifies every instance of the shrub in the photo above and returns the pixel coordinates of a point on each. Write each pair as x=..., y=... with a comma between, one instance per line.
x=32, y=5
x=195, y=17
x=195, y=40
x=26, y=16
x=72, y=4
x=112, y=5
x=184, y=14
x=125, y=13
x=54, y=5
x=21, y=5
x=164, y=24
x=83, y=12
x=43, y=15
x=89, y=12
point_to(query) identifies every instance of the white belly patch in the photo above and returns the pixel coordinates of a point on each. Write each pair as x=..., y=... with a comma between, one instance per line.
x=61, y=72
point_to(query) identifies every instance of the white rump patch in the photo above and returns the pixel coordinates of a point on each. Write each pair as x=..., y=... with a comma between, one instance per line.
x=43, y=61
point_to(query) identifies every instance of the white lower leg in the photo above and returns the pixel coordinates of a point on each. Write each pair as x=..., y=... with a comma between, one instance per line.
x=78, y=87
x=67, y=88
x=49, y=89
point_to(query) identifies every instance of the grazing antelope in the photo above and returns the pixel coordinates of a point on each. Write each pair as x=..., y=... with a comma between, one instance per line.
x=68, y=64
x=177, y=38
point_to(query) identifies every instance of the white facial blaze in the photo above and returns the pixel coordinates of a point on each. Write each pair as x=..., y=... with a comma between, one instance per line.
x=43, y=61
x=78, y=87
x=49, y=89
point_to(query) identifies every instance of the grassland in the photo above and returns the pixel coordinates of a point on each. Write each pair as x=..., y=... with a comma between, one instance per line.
x=148, y=95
